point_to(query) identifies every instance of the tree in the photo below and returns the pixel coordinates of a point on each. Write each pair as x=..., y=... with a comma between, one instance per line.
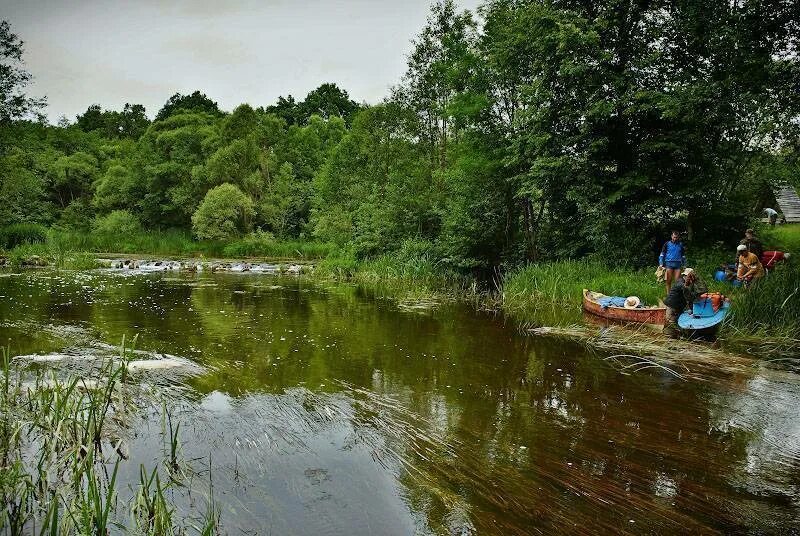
x=73, y=177
x=375, y=188
x=116, y=189
x=287, y=109
x=629, y=117
x=14, y=103
x=279, y=200
x=130, y=123
x=196, y=102
x=438, y=68
x=92, y=119
x=133, y=121
x=225, y=213
x=326, y=101
x=21, y=189
x=167, y=154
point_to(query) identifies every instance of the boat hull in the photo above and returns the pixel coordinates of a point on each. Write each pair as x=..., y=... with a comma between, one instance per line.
x=643, y=315
x=688, y=322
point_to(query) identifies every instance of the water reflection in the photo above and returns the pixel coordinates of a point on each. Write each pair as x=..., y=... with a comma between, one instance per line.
x=327, y=409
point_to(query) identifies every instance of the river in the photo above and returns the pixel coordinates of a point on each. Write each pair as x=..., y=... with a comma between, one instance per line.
x=329, y=409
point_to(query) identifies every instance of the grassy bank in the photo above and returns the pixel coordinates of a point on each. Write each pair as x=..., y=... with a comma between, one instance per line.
x=546, y=293
x=536, y=292
x=416, y=277
x=551, y=293
x=68, y=249
x=781, y=237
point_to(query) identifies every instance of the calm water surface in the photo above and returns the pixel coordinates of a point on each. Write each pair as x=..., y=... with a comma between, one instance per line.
x=326, y=409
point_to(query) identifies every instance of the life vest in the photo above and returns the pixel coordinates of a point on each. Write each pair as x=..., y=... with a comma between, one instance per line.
x=717, y=299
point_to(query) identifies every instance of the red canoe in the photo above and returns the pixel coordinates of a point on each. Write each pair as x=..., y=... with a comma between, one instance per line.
x=656, y=315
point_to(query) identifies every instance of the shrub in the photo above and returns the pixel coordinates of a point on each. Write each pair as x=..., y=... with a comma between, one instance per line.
x=250, y=245
x=117, y=225
x=224, y=213
x=16, y=234
x=77, y=216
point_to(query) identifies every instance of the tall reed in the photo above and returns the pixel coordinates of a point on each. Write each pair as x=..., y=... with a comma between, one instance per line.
x=59, y=468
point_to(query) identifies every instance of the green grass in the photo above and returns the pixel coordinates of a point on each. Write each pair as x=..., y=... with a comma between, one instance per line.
x=180, y=243
x=405, y=277
x=539, y=288
x=782, y=237
x=286, y=249
x=169, y=242
x=75, y=250
x=771, y=307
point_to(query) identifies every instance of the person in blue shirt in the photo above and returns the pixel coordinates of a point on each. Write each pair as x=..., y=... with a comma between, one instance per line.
x=672, y=258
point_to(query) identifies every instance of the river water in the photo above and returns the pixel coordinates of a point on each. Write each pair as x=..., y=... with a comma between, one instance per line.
x=328, y=409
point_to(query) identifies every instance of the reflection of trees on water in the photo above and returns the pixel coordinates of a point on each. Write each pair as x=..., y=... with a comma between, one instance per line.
x=484, y=429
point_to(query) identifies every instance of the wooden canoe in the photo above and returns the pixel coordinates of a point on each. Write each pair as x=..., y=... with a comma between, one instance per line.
x=656, y=315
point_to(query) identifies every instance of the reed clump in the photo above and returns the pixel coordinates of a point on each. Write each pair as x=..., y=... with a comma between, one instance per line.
x=60, y=453
x=408, y=277
x=771, y=306
x=529, y=290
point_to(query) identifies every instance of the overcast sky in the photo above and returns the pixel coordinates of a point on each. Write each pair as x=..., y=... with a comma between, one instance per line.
x=143, y=51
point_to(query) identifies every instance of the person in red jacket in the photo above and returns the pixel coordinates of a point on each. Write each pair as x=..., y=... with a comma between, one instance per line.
x=770, y=258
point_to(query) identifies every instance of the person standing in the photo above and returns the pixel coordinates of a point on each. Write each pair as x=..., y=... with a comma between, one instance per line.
x=672, y=258
x=748, y=266
x=753, y=244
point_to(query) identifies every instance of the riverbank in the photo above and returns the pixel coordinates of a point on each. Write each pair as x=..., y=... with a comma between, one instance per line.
x=64, y=249
x=544, y=294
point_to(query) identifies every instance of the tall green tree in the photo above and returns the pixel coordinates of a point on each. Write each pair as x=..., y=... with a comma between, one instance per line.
x=196, y=102
x=14, y=102
x=437, y=74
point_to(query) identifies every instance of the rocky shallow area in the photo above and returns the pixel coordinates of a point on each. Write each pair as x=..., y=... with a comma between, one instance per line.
x=199, y=266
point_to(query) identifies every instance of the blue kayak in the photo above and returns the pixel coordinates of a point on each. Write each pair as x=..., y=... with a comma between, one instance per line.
x=703, y=315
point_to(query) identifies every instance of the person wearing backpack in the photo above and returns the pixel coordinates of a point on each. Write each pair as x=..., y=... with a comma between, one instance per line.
x=672, y=258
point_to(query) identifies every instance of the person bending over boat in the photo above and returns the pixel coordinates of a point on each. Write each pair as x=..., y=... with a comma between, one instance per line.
x=753, y=244
x=770, y=258
x=772, y=215
x=683, y=293
x=672, y=258
x=748, y=266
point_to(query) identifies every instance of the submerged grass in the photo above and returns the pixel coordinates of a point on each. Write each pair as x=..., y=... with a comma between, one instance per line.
x=58, y=464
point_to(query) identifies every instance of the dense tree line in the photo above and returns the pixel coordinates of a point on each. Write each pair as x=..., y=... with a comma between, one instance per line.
x=530, y=130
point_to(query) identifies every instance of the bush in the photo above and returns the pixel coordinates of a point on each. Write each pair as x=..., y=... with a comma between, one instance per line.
x=17, y=234
x=77, y=216
x=224, y=213
x=116, y=226
x=255, y=243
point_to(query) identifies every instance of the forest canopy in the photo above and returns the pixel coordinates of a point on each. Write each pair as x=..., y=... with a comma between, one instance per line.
x=529, y=130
